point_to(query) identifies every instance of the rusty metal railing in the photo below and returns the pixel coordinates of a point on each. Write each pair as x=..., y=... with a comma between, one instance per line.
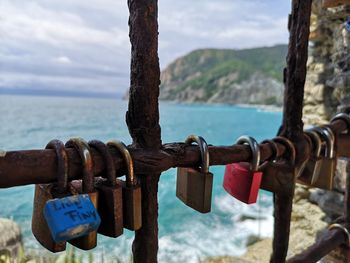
x=38, y=166
x=151, y=157
x=332, y=238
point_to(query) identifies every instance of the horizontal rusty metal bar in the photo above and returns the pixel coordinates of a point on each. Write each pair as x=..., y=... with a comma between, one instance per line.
x=328, y=242
x=39, y=166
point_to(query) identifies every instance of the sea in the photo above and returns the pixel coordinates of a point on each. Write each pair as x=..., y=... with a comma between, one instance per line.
x=29, y=122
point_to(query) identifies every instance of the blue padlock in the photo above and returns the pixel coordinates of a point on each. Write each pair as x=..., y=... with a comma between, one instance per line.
x=71, y=217
x=347, y=25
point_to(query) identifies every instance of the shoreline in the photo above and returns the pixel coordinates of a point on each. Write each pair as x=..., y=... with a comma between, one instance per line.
x=263, y=107
x=269, y=108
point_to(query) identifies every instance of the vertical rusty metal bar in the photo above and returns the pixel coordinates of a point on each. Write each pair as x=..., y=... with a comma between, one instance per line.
x=143, y=116
x=283, y=209
x=295, y=73
x=292, y=126
x=346, y=251
x=327, y=242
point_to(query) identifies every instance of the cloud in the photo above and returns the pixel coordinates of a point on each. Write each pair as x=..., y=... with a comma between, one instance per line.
x=63, y=60
x=220, y=24
x=85, y=45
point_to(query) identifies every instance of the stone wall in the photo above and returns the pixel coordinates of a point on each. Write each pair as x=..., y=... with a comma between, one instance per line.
x=327, y=90
x=328, y=79
x=328, y=86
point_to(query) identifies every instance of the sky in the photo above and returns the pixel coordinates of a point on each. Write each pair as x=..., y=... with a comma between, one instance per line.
x=83, y=45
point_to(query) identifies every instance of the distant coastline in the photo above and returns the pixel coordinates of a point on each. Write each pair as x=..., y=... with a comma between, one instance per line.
x=269, y=108
x=92, y=95
x=262, y=107
x=57, y=93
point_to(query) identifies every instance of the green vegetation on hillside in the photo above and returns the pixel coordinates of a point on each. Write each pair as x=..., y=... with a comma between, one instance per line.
x=209, y=70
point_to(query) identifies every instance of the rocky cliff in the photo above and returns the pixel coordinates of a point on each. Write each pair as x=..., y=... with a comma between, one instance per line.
x=250, y=76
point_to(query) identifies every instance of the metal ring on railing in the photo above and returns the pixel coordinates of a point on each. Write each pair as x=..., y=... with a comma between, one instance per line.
x=275, y=150
x=345, y=230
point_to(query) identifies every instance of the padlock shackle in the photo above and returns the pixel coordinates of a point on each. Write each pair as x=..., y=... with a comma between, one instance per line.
x=254, y=147
x=316, y=140
x=329, y=136
x=344, y=117
x=82, y=147
x=62, y=164
x=203, y=147
x=107, y=159
x=275, y=150
x=131, y=179
x=289, y=145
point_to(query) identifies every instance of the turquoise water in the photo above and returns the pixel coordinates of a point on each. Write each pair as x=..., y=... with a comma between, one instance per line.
x=185, y=235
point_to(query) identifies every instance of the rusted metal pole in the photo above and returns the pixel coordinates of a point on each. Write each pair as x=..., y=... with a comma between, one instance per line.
x=292, y=126
x=143, y=117
x=328, y=242
x=295, y=75
x=39, y=166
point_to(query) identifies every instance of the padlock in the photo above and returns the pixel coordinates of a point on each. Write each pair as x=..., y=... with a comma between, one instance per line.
x=71, y=217
x=194, y=186
x=324, y=179
x=85, y=186
x=46, y=192
x=242, y=180
x=343, y=139
x=131, y=188
x=110, y=195
x=347, y=25
x=343, y=145
x=279, y=174
x=314, y=163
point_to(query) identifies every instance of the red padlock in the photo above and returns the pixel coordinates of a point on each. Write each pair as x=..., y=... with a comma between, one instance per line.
x=242, y=180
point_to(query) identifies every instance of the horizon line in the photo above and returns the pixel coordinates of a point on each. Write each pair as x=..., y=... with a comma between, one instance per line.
x=58, y=93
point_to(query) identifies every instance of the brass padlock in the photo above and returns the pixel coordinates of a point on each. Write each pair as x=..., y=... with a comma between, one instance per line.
x=85, y=186
x=132, y=206
x=324, y=179
x=343, y=139
x=110, y=195
x=194, y=186
x=314, y=163
x=46, y=192
x=279, y=174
